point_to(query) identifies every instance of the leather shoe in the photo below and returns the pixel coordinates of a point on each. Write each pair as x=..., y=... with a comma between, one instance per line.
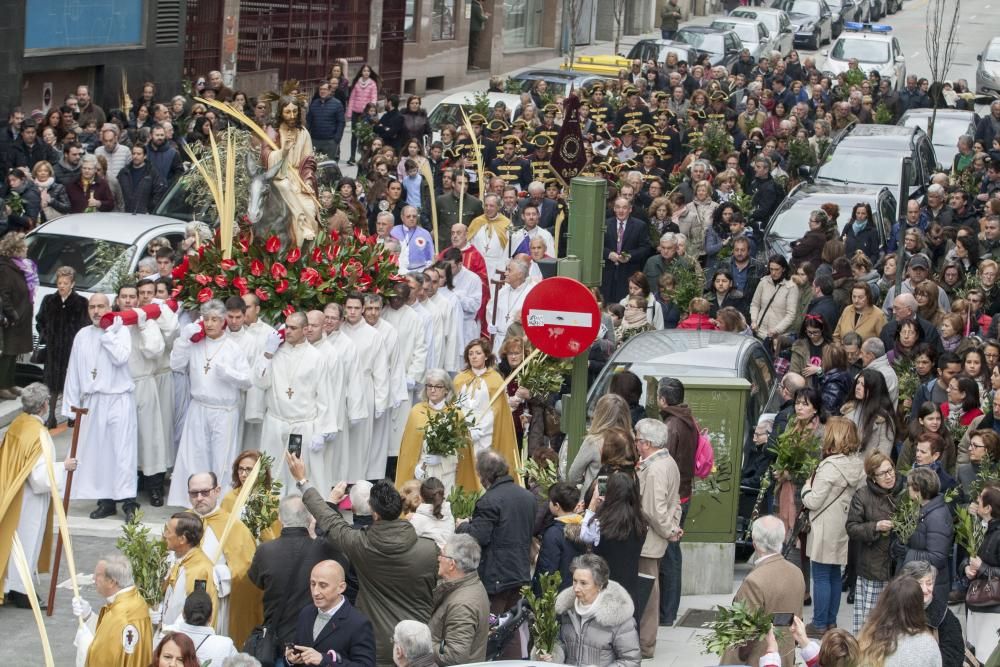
x=130, y=509
x=103, y=510
x=70, y=423
x=815, y=631
x=156, y=496
x=808, y=601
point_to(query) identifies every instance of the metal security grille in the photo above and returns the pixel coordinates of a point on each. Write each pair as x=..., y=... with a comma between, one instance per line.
x=168, y=22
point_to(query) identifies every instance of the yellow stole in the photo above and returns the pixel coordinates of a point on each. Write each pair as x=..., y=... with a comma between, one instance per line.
x=246, y=603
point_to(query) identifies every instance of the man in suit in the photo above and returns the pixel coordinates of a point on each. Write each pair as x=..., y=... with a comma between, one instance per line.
x=626, y=249
x=547, y=208
x=774, y=585
x=331, y=632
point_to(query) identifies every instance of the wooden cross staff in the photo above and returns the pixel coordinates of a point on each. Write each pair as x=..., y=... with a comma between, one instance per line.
x=497, y=284
x=79, y=412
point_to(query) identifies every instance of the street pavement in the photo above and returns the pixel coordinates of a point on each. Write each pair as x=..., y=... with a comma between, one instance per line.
x=676, y=646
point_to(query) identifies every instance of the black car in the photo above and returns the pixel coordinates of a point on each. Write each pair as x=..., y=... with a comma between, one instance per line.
x=791, y=220
x=844, y=11
x=812, y=21
x=873, y=155
x=722, y=46
x=657, y=49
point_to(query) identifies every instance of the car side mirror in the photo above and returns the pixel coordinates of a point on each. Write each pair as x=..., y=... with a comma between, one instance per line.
x=979, y=57
x=805, y=171
x=900, y=59
x=825, y=52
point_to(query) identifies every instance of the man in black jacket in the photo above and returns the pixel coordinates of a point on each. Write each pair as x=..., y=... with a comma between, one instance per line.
x=29, y=149
x=142, y=185
x=766, y=194
x=502, y=523
x=330, y=631
x=822, y=303
x=389, y=127
x=281, y=568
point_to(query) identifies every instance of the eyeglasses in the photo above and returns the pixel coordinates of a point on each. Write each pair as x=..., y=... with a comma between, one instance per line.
x=200, y=493
x=885, y=473
x=973, y=445
x=435, y=386
x=246, y=470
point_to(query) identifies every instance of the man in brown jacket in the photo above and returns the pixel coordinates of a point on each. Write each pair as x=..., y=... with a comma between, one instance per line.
x=460, y=619
x=659, y=483
x=682, y=442
x=774, y=585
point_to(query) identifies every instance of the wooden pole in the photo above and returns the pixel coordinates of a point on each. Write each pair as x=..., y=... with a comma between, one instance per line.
x=425, y=171
x=79, y=412
x=513, y=376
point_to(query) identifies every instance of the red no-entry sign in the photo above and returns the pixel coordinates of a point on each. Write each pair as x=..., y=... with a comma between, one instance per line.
x=561, y=317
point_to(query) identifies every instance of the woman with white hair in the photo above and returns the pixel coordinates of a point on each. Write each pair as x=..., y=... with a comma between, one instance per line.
x=412, y=645
x=415, y=462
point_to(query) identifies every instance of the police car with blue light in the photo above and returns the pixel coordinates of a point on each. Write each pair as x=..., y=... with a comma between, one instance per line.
x=873, y=46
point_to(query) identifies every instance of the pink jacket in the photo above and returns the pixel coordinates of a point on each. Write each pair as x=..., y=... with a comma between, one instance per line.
x=362, y=96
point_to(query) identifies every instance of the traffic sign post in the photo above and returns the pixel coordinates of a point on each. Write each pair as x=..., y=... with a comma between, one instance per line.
x=561, y=317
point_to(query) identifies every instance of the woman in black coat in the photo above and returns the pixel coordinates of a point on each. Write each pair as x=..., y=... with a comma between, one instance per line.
x=722, y=292
x=16, y=305
x=415, y=123
x=61, y=315
x=932, y=541
x=982, y=622
x=809, y=248
x=860, y=233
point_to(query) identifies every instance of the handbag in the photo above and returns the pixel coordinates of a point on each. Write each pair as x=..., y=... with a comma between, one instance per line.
x=263, y=642
x=983, y=592
x=803, y=522
x=39, y=354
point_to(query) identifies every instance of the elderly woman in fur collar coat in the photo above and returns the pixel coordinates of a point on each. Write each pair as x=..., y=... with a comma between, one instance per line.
x=596, y=619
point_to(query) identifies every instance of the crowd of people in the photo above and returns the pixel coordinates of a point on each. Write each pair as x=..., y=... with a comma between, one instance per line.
x=893, y=382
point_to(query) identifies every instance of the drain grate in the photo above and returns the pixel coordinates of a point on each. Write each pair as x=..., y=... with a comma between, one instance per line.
x=697, y=618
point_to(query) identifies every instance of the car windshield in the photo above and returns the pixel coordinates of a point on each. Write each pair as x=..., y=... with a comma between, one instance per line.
x=946, y=130
x=992, y=52
x=705, y=41
x=746, y=31
x=867, y=168
x=555, y=87
x=175, y=205
x=793, y=223
x=448, y=114
x=95, y=261
x=804, y=7
x=865, y=50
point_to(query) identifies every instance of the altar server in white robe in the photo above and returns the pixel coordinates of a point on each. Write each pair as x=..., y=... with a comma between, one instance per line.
x=332, y=457
x=412, y=330
x=444, y=305
x=297, y=400
x=36, y=496
x=468, y=289
x=148, y=347
x=169, y=327
x=415, y=281
x=351, y=405
x=256, y=333
x=373, y=378
x=510, y=299
x=399, y=395
x=98, y=379
x=218, y=371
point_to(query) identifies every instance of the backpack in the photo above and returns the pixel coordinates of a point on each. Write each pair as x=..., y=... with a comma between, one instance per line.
x=704, y=455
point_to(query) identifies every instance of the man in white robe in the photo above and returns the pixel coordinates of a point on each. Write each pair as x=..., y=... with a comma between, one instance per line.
x=184, y=534
x=384, y=451
x=373, y=378
x=297, y=399
x=412, y=329
x=218, y=371
x=256, y=333
x=449, y=332
x=36, y=495
x=468, y=289
x=148, y=347
x=510, y=299
x=333, y=456
x=491, y=234
x=98, y=379
x=352, y=407
x=169, y=327
x=415, y=282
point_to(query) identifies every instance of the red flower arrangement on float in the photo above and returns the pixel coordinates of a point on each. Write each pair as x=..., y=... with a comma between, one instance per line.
x=288, y=280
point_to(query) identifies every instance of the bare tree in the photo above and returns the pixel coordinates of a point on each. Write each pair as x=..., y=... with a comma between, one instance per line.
x=618, y=11
x=573, y=9
x=940, y=40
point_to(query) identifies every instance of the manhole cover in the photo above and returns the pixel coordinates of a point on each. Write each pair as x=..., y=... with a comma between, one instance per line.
x=697, y=618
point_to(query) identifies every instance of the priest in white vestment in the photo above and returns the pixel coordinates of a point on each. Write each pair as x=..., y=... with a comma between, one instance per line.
x=510, y=299
x=491, y=234
x=415, y=281
x=383, y=448
x=297, y=398
x=333, y=455
x=98, y=379
x=256, y=332
x=468, y=290
x=442, y=303
x=412, y=329
x=351, y=405
x=218, y=372
x=373, y=378
x=169, y=328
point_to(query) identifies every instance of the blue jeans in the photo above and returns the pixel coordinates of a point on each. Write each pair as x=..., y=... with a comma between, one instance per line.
x=670, y=576
x=825, y=594
x=667, y=34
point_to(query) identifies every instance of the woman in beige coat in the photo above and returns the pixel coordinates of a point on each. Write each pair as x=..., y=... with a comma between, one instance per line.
x=827, y=495
x=772, y=310
x=697, y=218
x=861, y=317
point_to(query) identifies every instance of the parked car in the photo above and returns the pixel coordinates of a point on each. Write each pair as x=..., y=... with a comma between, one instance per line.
x=791, y=220
x=775, y=20
x=812, y=21
x=988, y=70
x=844, y=11
x=657, y=49
x=559, y=80
x=752, y=33
x=873, y=155
x=447, y=110
x=722, y=46
x=949, y=125
x=874, y=47
x=99, y=247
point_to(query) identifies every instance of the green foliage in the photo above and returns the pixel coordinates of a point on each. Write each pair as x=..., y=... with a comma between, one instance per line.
x=447, y=430
x=687, y=285
x=742, y=201
x=261, y=509
x=797, y=453
x=111, y=262
x=736, y=626
x=969, y=181
x=197, y=194
x=542, y=375
x=148, y=557
x=971, y=283
x=674, y=179
x=545, y=477
x=800, y=154
x=909, y=382
x=365, y=134
x=15, y=203
x=545, y=626
x=905, y=518
x=714, y=141
x=513, y=87
x=883, y=115
x=989, y=474
x=480, y=104
x=969, y=531
x=854, y=77
x=463, y=502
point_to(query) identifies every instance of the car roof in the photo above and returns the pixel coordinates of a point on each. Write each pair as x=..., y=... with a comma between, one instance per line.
x=773, y=11
x=820, y=193
x=707, y=29
x=116, y=227
x=950, y=114
x=553, y=74
x=878, y=137
x=658, y=41
x=742, y=20
x=687, y=353
x=469, y=97
x=870, y=36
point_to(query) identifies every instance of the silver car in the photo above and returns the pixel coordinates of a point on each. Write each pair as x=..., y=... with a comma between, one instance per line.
x=988, y=71
x=752, y=32
x=775, y=20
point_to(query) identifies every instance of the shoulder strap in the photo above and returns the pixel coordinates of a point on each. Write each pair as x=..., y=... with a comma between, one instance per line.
x=812, y=517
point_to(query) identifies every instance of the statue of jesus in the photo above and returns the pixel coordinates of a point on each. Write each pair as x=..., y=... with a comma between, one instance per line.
x=296, y=179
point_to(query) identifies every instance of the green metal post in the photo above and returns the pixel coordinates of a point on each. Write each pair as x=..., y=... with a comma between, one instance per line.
x=584, y=263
